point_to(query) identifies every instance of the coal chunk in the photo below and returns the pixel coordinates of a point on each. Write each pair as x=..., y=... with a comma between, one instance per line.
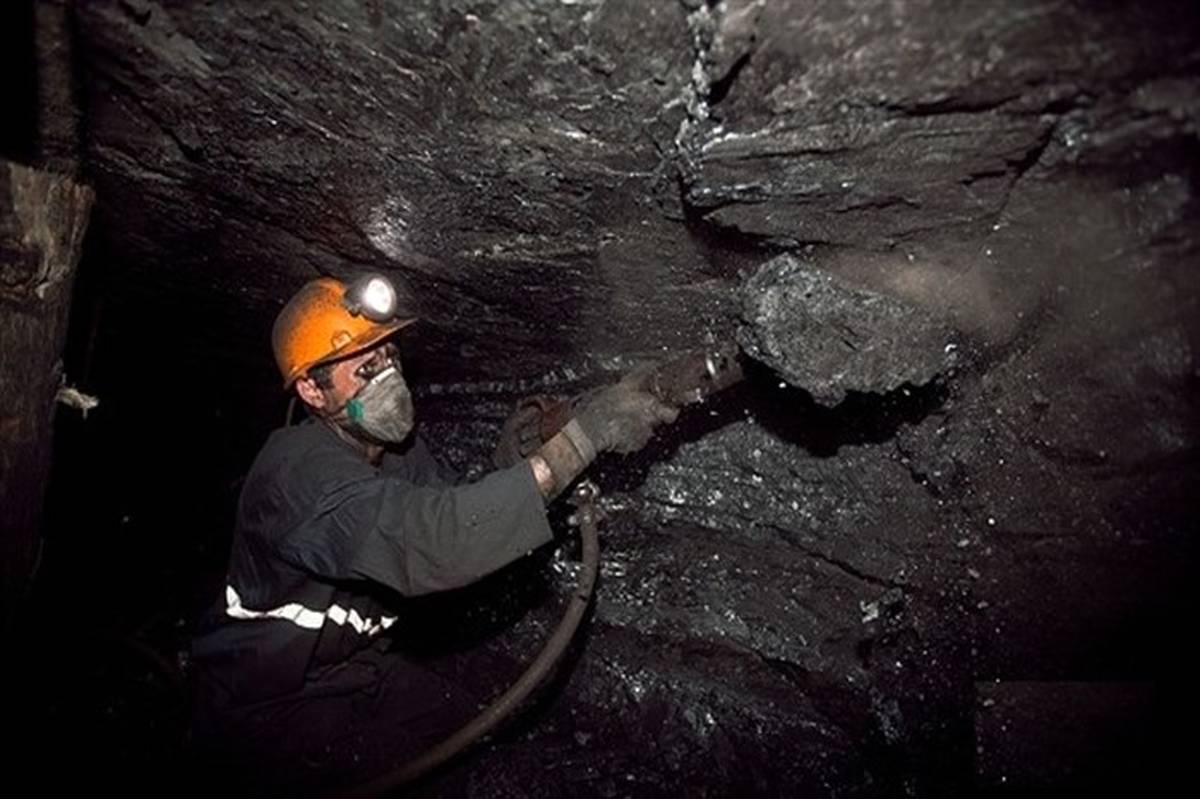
x=829, y=336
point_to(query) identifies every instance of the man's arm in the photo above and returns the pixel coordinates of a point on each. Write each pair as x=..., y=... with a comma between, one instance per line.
x=560, y=460
x=420, y=539
x=620, y=418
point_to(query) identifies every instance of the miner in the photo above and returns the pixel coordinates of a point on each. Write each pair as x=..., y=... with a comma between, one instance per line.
x=297, y=681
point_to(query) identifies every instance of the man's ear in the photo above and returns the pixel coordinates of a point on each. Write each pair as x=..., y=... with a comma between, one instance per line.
x=311, y=393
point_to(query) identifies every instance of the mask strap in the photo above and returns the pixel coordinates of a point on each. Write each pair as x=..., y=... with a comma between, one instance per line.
x=348, y=408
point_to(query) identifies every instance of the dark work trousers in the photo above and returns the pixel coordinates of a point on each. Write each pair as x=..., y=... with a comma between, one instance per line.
x=350, y=723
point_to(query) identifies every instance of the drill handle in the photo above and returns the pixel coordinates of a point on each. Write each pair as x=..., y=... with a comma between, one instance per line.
x=696, y=375
x=684, y=380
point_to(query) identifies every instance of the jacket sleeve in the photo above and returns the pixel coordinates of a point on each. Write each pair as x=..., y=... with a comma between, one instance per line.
x=418, y=539
x=419, y=466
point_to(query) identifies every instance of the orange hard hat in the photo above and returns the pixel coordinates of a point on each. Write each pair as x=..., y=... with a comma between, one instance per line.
x=327, y=320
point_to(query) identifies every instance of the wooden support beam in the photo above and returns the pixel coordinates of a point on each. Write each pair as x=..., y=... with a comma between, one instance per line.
x=43, y=217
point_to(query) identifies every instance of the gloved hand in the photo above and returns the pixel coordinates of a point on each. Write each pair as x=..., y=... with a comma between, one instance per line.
x=622, y=417
x=522, y=434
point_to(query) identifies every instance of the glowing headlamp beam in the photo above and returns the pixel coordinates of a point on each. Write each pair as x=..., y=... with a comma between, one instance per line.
x=373, y=296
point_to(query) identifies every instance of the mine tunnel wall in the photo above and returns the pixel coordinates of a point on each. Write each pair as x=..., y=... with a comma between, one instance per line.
x=847, y=595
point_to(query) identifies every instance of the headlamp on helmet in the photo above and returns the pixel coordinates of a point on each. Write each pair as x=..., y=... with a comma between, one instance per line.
x=372, y=296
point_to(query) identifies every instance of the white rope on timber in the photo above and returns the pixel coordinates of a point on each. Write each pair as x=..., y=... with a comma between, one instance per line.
x=74, y=398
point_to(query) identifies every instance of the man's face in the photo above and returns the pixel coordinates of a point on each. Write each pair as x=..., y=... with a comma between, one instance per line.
x=348, y=376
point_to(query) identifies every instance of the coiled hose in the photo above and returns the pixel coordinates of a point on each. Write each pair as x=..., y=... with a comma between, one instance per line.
x=584, y=497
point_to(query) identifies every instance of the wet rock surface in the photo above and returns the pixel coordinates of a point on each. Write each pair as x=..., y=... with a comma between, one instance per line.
x=810, y=590
x=504, y=157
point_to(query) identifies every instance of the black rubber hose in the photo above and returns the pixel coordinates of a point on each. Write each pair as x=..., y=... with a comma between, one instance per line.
x=494, y=713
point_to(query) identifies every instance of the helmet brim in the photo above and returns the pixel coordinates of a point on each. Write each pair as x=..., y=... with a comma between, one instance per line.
x=364, y=341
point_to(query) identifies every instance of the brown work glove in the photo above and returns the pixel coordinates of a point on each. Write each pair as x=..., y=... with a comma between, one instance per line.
x=622, y=417
x=522, y=432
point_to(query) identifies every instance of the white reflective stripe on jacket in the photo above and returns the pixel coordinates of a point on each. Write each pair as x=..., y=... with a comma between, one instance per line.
x=304, y=617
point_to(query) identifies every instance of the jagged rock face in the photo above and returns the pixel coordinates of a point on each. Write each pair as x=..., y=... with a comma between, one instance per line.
x=828, y=336
x=864, y=124
x=794, y=597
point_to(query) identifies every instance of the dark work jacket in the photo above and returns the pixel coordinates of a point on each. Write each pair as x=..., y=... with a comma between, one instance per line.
x=319, y=529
